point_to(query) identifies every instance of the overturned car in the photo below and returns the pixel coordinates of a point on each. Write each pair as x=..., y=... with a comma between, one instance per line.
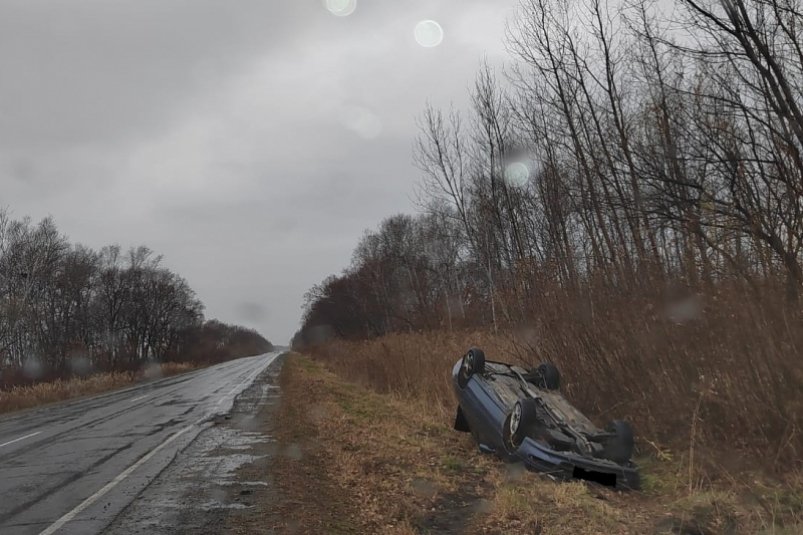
x=520, y=415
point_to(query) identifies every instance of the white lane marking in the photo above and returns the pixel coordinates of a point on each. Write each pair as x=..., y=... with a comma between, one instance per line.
x=139, y=398
x=111, y=484
x=249, y=380
x=201, y=420
x=20, y=438
x=223, y=398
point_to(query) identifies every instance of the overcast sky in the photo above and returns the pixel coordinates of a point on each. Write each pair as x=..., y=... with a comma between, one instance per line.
x=249, y=142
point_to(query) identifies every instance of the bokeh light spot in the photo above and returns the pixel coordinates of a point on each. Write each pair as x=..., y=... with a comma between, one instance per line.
x=517, y=174
x=428, y=33
x=152, y=370
x=32, y=368
x=341, y=8
x=361, y=121
x=684, y=309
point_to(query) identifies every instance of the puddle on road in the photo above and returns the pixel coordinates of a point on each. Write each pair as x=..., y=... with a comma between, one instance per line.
x=202, y=481
x=245, y=483
x=224, y=451
x=210, y=506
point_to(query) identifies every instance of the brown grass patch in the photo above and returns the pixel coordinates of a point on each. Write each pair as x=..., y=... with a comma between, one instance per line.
x=360, y=461
x=25, y=397
x=723, y=415
x=354, y=461
x=175, y=368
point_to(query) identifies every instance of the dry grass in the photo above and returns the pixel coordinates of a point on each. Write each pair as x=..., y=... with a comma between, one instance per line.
x=357, y=461
x=413, y=367
x=25, y=397
x=705, y=375
x=175, y=368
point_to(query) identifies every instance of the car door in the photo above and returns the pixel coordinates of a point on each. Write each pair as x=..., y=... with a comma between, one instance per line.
x=483, y=412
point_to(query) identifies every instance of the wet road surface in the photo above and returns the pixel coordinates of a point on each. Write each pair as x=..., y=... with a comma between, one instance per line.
x=74, y=467
x=223, y=477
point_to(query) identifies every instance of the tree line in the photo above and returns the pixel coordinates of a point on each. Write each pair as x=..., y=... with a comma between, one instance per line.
x=624, y=148
x=67, y=309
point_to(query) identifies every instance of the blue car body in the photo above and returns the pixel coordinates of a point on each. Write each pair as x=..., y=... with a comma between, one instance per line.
x=485, y=412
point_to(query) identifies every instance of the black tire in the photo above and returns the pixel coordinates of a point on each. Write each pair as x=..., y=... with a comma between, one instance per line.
x=473, y=362
x=547, y=376
x=519, y=423
x=460, y=422
x=619, y=446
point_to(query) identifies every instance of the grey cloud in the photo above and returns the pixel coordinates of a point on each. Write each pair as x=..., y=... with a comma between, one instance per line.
x=97, y=71
x=250, y=142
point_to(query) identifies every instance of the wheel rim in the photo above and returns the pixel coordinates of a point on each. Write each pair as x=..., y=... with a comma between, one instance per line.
x=468, y=363
x=515, y=419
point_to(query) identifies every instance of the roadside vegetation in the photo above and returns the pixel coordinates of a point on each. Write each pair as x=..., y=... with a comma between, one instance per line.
x=622, y=200
x=74, y=320
x=353, y=460
x=41, y=393
x=689, y=395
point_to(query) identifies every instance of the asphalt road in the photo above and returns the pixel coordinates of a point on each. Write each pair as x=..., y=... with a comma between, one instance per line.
x=73, y=467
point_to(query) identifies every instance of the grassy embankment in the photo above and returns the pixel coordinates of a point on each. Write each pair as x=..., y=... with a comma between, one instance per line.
x=368, y=429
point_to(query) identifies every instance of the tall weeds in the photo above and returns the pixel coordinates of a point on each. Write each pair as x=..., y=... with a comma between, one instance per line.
x=722, y=367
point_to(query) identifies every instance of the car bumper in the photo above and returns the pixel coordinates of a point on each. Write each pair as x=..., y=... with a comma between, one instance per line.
x=565, y=465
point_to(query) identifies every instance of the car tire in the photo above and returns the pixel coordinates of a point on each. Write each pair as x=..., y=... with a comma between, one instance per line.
x=519, y=423
x=619, y=446
x=473, y=362
x=547, y=376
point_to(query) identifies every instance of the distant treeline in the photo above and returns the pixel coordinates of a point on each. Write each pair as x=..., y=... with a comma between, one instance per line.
x=66, y=309
x=634, y=148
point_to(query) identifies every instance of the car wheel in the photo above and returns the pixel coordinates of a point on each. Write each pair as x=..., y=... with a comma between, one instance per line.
x=547, y=376
x=519, y=423
x=473, y=362
x=619, y=446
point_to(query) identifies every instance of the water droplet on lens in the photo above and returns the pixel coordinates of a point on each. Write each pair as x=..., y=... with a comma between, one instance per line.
x=428, y=33
x=361, y=121
x=32, y=368
x=517, y=174
x=341, y=8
